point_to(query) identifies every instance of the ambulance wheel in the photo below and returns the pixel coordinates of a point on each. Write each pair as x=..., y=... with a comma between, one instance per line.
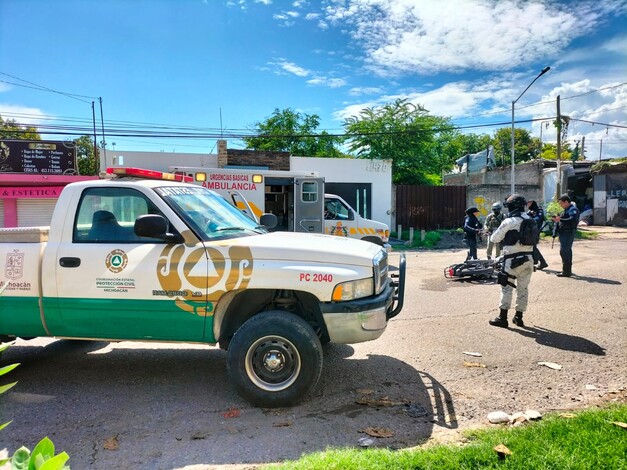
x=274, y=359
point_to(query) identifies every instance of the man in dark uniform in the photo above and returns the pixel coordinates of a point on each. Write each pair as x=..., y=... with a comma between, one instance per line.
x=537, y=214
x=567, y=228
x=472, y=227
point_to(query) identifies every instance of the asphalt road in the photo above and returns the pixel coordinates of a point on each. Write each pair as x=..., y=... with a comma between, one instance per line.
x=165, y=406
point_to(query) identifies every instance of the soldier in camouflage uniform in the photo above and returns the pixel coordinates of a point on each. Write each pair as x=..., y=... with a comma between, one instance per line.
x=517, y=264
x=492, y=222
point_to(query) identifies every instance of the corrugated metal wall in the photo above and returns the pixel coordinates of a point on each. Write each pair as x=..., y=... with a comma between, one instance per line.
x=34, y=212
x=430, y=207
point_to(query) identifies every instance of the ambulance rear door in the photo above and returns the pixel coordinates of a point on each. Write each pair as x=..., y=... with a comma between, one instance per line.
x=309, y=205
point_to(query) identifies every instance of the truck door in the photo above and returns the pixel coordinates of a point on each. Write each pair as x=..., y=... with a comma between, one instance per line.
x=309, y=205
x=113, y=284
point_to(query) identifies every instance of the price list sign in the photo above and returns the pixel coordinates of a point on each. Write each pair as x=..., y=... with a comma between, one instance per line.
x=38, y=156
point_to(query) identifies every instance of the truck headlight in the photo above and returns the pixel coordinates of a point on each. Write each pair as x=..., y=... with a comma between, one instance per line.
x=352, y=290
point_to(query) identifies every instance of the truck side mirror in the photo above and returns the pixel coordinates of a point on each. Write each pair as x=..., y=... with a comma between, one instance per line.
x=155, y=226
x=268, y=220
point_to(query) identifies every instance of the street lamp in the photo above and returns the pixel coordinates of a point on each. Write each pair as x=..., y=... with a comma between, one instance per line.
x=513, y=162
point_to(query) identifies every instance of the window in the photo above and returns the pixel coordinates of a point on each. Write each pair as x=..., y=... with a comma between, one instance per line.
x=310, y=191
x=107, y=215
x=335, y=210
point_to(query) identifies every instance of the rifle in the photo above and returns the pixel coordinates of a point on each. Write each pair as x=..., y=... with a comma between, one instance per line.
x=554, y=234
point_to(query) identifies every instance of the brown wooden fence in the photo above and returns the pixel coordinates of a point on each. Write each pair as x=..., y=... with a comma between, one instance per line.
x=430, y=207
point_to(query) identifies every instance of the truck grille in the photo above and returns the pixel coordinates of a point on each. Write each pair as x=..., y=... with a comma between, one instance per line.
x=380, y=271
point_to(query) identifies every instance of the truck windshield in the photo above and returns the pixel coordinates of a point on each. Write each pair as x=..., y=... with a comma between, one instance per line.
x=208, y=214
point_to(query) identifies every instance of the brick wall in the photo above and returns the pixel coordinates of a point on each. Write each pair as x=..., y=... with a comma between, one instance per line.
x=272, y=160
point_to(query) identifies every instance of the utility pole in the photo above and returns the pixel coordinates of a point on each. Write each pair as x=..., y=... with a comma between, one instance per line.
x=559, y=151
x=583, y=147
x=93, y=115
x=104, y=143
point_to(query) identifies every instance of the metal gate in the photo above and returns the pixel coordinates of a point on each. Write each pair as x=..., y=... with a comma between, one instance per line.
x=430, y=207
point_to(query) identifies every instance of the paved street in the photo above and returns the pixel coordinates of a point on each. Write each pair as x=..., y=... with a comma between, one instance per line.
x=170, y=406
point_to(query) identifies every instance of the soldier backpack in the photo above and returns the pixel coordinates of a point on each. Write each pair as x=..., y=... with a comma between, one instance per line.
x=529, y=233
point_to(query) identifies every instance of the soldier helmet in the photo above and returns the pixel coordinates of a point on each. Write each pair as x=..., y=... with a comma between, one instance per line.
x=515, y=201
x=497, y=206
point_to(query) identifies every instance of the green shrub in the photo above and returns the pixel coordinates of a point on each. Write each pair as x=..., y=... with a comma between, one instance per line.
x=5, y=370
x=41, y=458
x=431, y=239
x=552, y=208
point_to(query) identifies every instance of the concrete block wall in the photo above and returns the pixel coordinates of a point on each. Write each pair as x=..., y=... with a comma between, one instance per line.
x=487, y=187
x=483, y=196
x=525, y=174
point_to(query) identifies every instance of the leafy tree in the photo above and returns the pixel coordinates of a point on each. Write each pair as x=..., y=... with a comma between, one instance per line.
x=404, y=133
x=473, y=143
x=10, y=129
x=87, y=164
x=289, y=131
x=549, y=151
x=526, y=148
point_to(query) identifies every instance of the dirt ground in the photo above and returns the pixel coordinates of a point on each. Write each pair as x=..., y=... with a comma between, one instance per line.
x=170, y=406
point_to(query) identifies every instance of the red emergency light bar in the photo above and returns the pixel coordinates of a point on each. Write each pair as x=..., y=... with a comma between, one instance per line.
x=149, y=174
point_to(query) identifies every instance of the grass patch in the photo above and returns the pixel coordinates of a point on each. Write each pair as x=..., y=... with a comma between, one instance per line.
x=587, y=441
x=586, y=235
x=432, y=238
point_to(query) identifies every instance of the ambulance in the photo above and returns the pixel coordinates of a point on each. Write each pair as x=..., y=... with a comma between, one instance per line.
x=296, y=198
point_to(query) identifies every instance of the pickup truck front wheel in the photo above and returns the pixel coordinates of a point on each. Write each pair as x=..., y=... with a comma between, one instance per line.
x=274, y=359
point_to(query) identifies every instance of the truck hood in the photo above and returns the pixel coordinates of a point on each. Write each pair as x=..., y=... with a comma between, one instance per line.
x=318, y=248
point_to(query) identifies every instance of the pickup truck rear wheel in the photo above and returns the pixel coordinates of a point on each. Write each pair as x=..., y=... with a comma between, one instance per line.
x=274, y=359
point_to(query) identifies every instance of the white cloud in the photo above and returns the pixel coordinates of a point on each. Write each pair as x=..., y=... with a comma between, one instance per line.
x=454, y=99
x=430, y=36
x=584, y=101
x=328, y=82
x=286, y=67
x=23, y=114
x=358, y=91
x=617, y=45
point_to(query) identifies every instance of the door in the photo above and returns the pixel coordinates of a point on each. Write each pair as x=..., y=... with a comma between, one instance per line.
x=339, y=219
x=112, y=284
x=308, y=205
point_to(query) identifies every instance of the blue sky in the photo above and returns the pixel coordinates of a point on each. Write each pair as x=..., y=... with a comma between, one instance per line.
x=206, y=66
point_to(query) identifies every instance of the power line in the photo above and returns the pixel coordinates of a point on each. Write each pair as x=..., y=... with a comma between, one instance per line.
x=43, y=88
x=618, y=126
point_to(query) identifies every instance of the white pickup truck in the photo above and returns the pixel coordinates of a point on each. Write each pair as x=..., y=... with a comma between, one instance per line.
x=162, y=260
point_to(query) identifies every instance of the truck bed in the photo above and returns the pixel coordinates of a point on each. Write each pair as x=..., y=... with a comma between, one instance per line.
x=24, y=235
